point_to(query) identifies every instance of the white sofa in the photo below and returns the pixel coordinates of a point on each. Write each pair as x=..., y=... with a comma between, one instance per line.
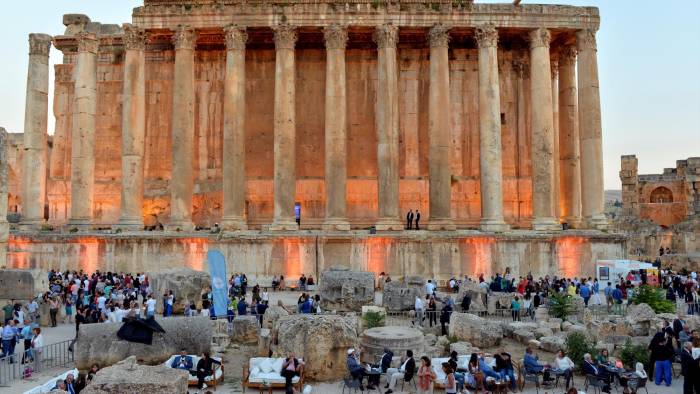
x=218, y=372
x=51, y=383
x=268, y=370
x=440, y=376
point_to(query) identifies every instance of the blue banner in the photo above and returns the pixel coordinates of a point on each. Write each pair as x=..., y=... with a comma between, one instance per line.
x=219, y=289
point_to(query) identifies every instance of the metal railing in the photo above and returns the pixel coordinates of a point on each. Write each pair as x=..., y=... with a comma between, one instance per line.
x=19, y=365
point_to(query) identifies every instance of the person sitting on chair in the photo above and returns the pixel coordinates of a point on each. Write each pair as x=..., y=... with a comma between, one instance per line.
x=183, y=361
x=563, y=366
x=291, y=367
x=205, y=367
x=385, y=361
x=532, y=364
x=356, y=369
x=590, y=368
x=408, y=368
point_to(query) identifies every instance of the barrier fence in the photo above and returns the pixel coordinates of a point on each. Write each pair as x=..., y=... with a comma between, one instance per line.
x=19, y=365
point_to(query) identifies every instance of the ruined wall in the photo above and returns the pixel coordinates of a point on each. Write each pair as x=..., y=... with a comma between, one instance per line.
x=262, y=256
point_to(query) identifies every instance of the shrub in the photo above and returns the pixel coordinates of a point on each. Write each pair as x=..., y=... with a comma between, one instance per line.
x=577, y=344
x=373, y=319
x=631, y=354
x=560, y=305
x=655, y=298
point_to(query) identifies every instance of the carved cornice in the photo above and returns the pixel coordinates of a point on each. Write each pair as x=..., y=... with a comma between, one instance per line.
x=184, y=38
x=134, y=38
x=486, y=36
x=39, y=44
x=567, y=55
x=336, y=36
x=439, y=36
x=87, y=42
x=235, y=37
x=585, y=39
x=386, y=36
x=540, y=38
x=285, y=36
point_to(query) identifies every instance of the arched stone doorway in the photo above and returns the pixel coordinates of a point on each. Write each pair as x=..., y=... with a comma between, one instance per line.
x=661, y=195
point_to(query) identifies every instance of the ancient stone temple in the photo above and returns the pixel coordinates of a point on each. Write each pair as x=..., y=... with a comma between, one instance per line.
x=324, y=116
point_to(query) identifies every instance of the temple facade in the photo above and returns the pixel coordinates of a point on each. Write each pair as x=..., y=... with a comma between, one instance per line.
x=322, y=115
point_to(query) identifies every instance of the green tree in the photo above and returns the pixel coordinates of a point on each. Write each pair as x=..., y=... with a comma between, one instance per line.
x=655, y=298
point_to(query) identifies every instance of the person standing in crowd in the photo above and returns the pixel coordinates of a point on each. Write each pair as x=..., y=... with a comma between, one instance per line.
x=432, y=310
x=418, y=305
x=417, y=220
x=9, y=340
x=663, y=354
x=409, y=219
x=690, y=369
x=37, y=348
x=426, y=377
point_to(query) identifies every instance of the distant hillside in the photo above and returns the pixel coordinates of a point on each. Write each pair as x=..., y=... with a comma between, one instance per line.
x=612, y=195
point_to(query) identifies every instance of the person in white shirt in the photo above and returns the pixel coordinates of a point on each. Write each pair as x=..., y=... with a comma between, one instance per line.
x=406, y=372
x=563, y=366
x=101, y=300
x=264, y=296
x=32, y=307
x=37, y=344
x=429, y=287
x=150, y=306
x=419, y=311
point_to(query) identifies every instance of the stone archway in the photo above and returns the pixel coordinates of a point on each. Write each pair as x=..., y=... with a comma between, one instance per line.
x=661, y=195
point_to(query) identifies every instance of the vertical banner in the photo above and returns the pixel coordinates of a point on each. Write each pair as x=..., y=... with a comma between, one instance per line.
x=217, y=270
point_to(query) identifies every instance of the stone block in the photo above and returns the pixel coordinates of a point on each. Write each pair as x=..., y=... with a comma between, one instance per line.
x=474, y=329
x=510, y=328
x=400, y=295
x=640, y=313
x=499, y=301
x=534, y=343
x=345, y=290
x=264, y=343
x=395, y=338
x=552, y=344
x=523, y=336
x=186, y=284
x=543, y=332
x=99, y=344
x=272, y=314
x=245, y=329
x=373, y=308
x=463, y=348
x=22, y=285
x=129, y=377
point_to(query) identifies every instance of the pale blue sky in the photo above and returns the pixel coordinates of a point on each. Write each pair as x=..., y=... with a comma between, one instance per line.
x=648, y=54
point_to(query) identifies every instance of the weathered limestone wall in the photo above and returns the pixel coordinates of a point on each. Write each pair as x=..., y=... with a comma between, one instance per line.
x=263, y=255
x=361, y=65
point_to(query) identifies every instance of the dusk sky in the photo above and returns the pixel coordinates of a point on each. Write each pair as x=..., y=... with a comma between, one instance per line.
x=648, y=56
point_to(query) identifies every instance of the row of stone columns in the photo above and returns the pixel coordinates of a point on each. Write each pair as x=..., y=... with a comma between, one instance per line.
x=580, y=195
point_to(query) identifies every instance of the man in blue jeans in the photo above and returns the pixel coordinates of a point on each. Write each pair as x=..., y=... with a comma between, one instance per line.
x=662, y=353
x=504, y=366
x=9, y=339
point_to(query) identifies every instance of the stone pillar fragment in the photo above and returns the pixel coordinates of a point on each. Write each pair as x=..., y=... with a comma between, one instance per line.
x=133, y=128
x=234, y=182
x=4, y=226
x=554, y=64
x=590, y=131
x=490, y=131
x=182, y=178
x=285, y=129
x=542, y=133
x=83, y=132
x=439, y=131
x=387, y=125
x=336, y=38
x=35, y=124
x=570, y=168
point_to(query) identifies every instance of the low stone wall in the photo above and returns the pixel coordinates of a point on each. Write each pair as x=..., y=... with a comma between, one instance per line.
x=439, y=255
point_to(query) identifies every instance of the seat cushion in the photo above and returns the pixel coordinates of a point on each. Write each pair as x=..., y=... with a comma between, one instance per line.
x=266, y=366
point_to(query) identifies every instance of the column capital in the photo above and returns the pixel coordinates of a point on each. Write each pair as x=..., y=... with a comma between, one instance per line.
x=439, y=36
x=184, y=38
x=235, y=37
x=386, y=36
x=567, y=55
x=285, y=36
x=539, y=38
x=486, y=36
x=87, y=42
x=134, y=38
x=585, y=39
x=39, y=44
x=336, y=36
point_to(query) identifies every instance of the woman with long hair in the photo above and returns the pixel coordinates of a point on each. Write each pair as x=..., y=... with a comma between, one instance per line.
x=426, y=376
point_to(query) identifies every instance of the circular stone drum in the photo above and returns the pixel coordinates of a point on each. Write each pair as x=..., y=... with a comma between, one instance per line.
x=397, y=339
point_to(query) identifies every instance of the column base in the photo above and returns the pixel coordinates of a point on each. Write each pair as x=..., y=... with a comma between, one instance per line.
x=129, y=224
x=438, y=224
x=337, y=224
x=493, y=225
x=389, y=224
x=79, y=224
x=233, y=223
x=179, y=225
x=284, y=224
x=545, y=224
x=31, y=224
x=573, y=221
x=597, y=222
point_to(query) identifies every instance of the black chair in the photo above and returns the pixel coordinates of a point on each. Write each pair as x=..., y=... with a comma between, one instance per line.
x=560, y=375
x=351, y=384
x=409, y=381
x=593, y=381
x=638, y=383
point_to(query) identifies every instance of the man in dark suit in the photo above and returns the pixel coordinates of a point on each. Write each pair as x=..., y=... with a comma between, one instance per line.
x=590, y=368
x=70, y=383
x=417, y=219
x=690, y=370
x=409, y=219
x=405, y=372
x=385, y=361
x=183, y=361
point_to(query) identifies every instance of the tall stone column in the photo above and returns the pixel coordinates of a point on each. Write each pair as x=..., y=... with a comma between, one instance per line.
x=387, y=125
x=83, y=132
x=4, y=225
x=285, y=129
x=36, y=112
x=182, y=178
x=590, y=131
x=336, y=38
x=133, y=128
x=570, y=168
x=490, y=167
x=554, y=64
x=234, y=130
x=542, y=133
x=439, y=131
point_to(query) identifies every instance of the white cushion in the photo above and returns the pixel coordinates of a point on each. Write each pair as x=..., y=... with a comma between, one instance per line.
x=266, y=366
x=277, y=365
x=51, y=383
